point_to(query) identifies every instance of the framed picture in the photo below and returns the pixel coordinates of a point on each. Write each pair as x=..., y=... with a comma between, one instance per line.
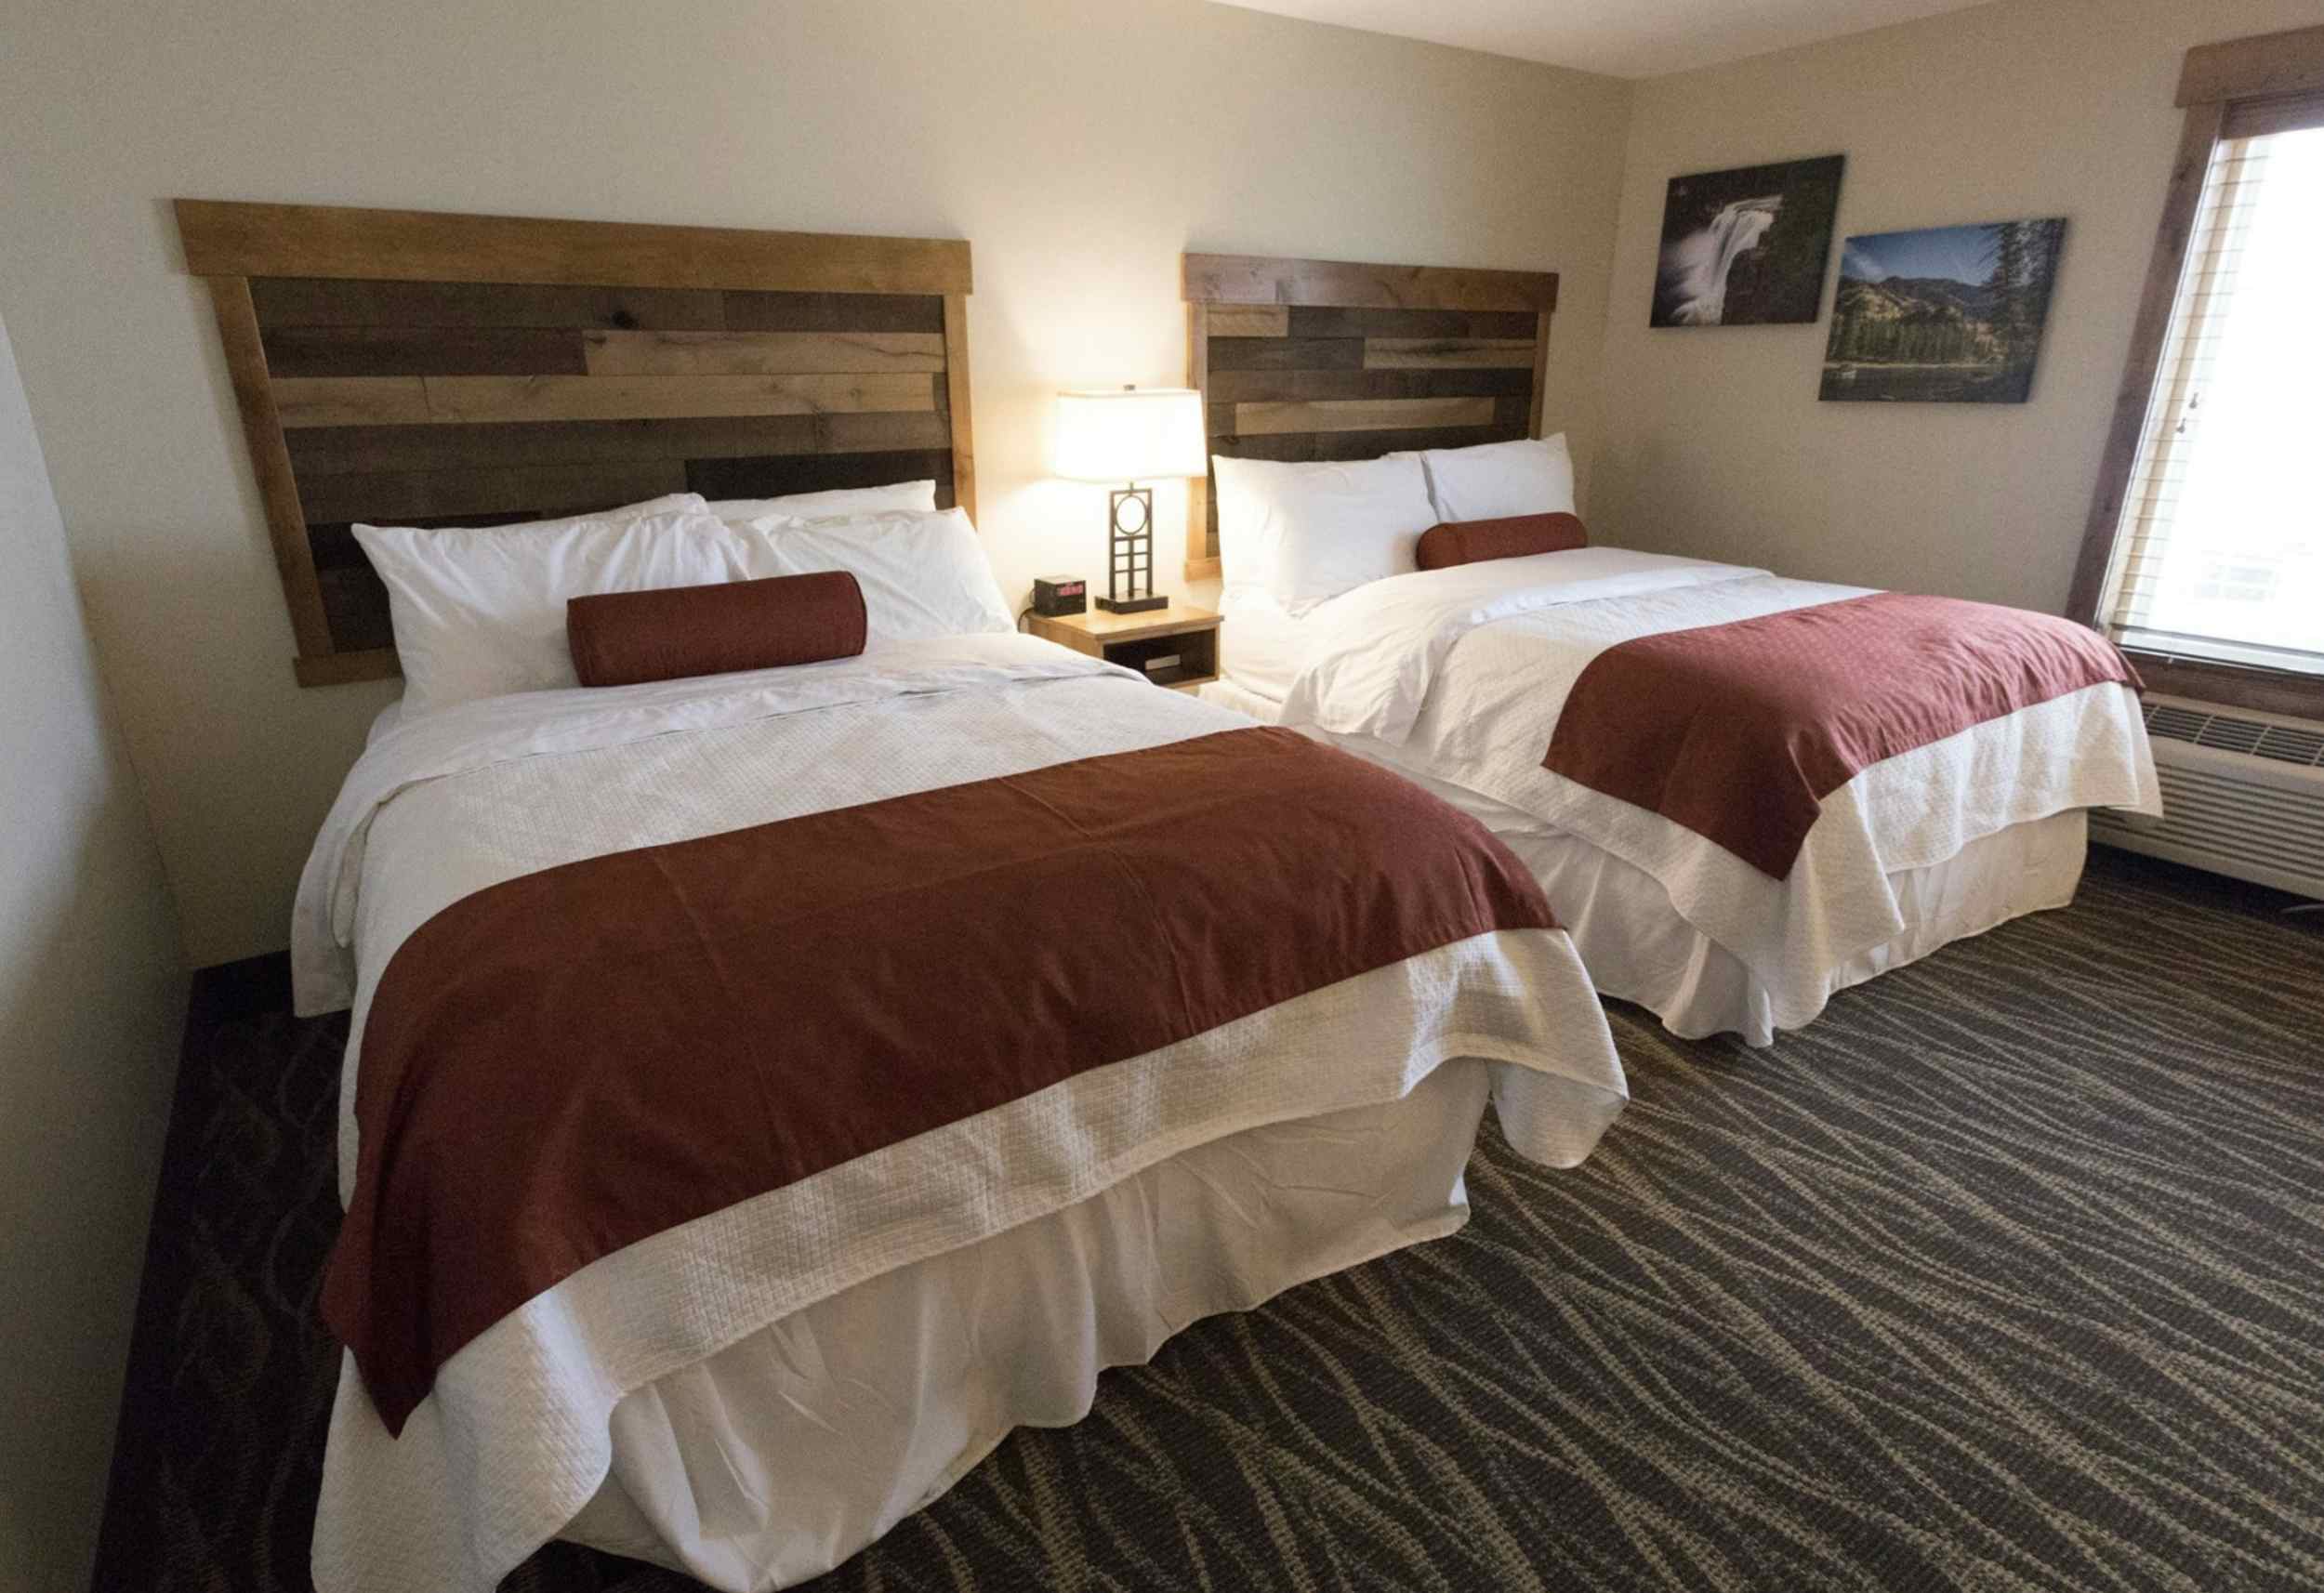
x=1747, y=247
x=1949, y=315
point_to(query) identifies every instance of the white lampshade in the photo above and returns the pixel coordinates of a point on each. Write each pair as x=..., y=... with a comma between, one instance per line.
x=1129, y=434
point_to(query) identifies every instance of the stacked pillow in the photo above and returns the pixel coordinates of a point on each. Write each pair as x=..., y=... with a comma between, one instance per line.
x=1304, y=533
x=481, y=612
x=922, y=576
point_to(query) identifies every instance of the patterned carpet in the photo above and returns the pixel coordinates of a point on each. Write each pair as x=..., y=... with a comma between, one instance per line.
x=2008, y=1274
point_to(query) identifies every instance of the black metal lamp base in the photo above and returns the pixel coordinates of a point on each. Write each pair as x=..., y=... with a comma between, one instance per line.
x=1129, y=553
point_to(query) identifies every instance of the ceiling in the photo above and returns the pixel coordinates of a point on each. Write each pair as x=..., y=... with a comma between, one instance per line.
x=1624, y=38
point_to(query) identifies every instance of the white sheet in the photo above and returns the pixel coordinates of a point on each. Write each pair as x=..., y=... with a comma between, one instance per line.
x=775, y=1459
x=1261, y=647
x=514, y=1441
x=1461, y=674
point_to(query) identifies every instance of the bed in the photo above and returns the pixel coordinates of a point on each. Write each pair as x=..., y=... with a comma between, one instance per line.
x=1427, y=385
x=767, y=1088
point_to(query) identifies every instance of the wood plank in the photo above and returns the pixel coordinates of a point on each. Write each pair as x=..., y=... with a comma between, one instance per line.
x=835, y=312
x=1332, y=320
x=1308, y=446
x=543, y=489
x=278, y=487
x=341, y=450
x=1540, y=394
x=648, y=398
x=1286, y=353
x=227, y=239
x=1395, y=353
x=357, y=601
x=1250, y=279
x=344, y=669
x=878, y=432
x=2165, y=266
x=1251, y=321
x=354, y=400
x=1360, y=415
x=405, y=401
x=956, y=399
x=331, y=450
x=760, y=353
x=324, y=301
x=1250, y=387
x=776, y=475
x=424, y=351
x=2289, y=62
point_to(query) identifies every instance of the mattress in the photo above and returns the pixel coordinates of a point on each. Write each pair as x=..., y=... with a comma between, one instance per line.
x=1637, y=947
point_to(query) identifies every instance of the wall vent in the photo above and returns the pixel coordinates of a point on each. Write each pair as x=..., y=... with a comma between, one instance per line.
x=2242, y=796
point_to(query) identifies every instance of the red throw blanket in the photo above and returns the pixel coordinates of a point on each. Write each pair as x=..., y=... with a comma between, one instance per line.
x=571, y=1061
x=1739, y=731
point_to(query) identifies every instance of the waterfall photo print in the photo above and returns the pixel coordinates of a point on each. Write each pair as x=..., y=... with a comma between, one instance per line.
x=1747, y=247
x=1949, y=315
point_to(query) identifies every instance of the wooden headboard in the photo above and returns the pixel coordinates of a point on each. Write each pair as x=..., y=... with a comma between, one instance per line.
x=413, y=368
x=1303, y=359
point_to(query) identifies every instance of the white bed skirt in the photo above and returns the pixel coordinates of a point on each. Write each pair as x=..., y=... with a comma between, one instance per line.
x=776, y=1459
x=1637, y=948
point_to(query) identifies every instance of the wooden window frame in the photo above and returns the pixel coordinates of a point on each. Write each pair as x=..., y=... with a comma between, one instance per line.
x=2215, y=81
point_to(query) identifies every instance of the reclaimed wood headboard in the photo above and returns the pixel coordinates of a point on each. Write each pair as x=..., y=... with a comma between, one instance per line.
x=1302, y=360
x=414, y=368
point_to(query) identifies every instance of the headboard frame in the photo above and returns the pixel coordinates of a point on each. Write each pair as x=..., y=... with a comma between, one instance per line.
x=1302, y=360
x=425, y=368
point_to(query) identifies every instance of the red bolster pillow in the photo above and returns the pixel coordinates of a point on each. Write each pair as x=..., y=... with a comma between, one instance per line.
x=623, y=638
x=1466, y=540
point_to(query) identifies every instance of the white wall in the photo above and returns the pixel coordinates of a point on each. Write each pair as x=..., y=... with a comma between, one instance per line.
x=1079, y=147
x=1714, y=443
x=92, y=991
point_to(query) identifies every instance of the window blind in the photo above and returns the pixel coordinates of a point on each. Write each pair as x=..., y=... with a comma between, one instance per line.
x=2220, y=553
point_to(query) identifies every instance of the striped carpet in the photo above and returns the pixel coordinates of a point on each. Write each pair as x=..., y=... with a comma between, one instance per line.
x=2008, y=1274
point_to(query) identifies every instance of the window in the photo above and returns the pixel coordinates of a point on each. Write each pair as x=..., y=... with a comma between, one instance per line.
x=2221, y=552
x=2207, y=536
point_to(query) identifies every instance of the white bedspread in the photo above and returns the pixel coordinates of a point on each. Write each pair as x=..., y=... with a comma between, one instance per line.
x=513, y=1442
x=1463, y=673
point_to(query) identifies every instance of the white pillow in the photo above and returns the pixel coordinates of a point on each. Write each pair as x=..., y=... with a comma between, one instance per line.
x=479, y=613
x=1308, y=532
x=918, y=497
x=1496, y=479
x=923, y=576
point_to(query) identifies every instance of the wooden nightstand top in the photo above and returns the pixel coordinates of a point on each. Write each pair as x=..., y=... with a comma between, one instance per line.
x=1102, y=627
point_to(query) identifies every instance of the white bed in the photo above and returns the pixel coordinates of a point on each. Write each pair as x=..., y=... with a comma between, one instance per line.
x=754, y=1396
x=1455, y=677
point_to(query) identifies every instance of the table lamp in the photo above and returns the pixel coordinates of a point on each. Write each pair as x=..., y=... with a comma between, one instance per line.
x=1132, y=435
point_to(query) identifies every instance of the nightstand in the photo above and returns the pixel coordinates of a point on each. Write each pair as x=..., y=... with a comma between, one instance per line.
x=1176, y=647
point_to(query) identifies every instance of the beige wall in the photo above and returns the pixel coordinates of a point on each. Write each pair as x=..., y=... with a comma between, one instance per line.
x=92, y=990
x=1081, y=147
x=1714, y=443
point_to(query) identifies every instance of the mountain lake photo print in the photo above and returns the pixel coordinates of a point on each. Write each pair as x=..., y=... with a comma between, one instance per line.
x=1947, y=315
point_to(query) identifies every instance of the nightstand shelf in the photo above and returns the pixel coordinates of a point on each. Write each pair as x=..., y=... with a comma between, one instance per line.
x=1144, y=642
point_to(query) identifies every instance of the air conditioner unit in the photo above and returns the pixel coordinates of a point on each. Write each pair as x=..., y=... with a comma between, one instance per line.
x=2242, y=795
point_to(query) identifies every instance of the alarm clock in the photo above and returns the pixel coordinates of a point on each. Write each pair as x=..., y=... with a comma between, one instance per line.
x=1055, y=595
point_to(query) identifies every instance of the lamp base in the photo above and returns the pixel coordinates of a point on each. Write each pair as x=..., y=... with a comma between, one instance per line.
x=1133, y=605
